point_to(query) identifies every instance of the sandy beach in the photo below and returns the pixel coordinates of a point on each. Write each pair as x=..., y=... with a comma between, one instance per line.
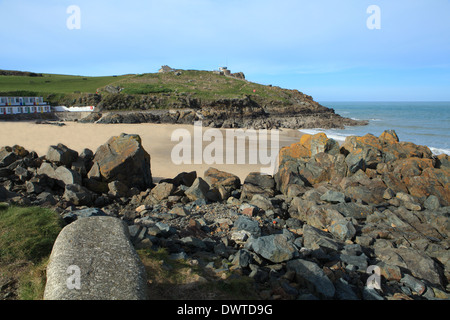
x=156, y=139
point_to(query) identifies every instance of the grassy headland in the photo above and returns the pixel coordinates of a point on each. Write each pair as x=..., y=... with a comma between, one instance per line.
x=167, y=88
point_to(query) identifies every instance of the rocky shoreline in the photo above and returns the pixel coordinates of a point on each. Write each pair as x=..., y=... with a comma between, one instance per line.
x=229, y=113
x=331, y=217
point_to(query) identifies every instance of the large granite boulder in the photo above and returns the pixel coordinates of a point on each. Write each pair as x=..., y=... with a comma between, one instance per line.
x=122, y=158
x=93, y=259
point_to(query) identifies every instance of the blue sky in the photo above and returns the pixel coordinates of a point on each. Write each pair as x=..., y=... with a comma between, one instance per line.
x=322, y=48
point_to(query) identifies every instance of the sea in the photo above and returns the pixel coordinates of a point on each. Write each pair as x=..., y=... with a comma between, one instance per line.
x=422, y=123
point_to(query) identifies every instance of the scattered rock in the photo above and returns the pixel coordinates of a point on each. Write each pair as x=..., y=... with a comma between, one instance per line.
x=62, y=155
x=309, y=232
x=162, y=191
x=249, y=225
x=85, y=213
x=310, y=274
x=198, y=190
x=78, y=195
x=258, y=183
x=343, y=230
x=333, y=197
x=275, y=248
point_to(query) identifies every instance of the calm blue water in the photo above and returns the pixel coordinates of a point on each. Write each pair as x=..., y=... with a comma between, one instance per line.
x=423, y=123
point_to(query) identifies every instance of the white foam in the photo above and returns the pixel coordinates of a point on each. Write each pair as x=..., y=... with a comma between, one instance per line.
x=438, y=151
x=331, y=135
x=312, y=131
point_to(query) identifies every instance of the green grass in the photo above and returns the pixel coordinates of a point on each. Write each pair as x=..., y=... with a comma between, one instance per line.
x=199, y=84
x=27, y=233
x=205, y=86
x=27, y=236
x=53, y=84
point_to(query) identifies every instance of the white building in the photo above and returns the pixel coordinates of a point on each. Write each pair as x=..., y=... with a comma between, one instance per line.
x=21, y=105
x=73, y=109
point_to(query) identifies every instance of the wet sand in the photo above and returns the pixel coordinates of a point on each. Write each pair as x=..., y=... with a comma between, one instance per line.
x=156, y=139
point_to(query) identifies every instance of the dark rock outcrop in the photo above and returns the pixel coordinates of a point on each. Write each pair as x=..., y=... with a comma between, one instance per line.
x=122, y=158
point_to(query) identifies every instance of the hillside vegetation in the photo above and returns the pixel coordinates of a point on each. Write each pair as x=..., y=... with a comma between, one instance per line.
x=54, y=88
x=219, y=100
x=166, y=89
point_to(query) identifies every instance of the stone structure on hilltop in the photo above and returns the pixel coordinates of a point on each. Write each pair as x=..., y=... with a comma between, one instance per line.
x=225, y=72
x=166, y=69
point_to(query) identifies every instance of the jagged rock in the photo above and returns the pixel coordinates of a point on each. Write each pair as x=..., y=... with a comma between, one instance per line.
x=389, y=210
x=225, y=183
x=308, y=147
x=242, y=258
x=363, y=152
x=96, y=185
x=85, y=213
x=311, y=275
x=414, y=284
x=420, y=265
x=61, y=175
x=355, y=261
x=185, y=178
x=317, y=216
x=288, y=177
x=390, y=272
x=314, y=239
x=275, y=248
x=258, y=183
x=5, y=194
x=78, y=195
x=389, y=137
x=118, y=189
x=198, y=190
x=432, y=203
x=249, y=225
x=180, y=211
x=333, y=197
x=345, y=291
x=47, y=169
x=64, y=176
x=343, y=230
x=79, y=166
x=123, y=158
x=7, y=156
x=162, y=191
x=354, y=210
x=261, y=202
x=61, y=155
x=33, y=187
